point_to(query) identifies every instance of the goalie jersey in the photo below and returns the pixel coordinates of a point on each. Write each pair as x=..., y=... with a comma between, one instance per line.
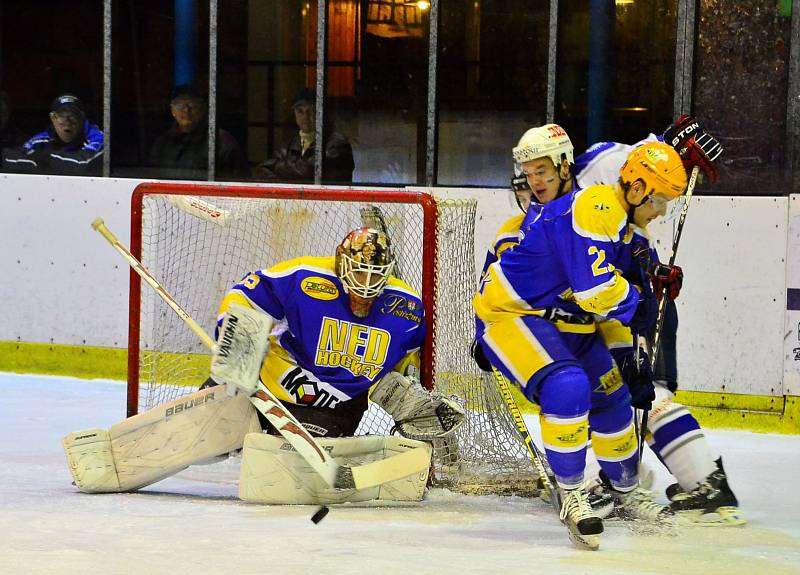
x=320, y=353
x=568, y=264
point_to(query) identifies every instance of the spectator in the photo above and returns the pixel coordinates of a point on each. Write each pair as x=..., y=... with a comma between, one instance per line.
x=295, y=161
x=70, y=146
x=182, y=151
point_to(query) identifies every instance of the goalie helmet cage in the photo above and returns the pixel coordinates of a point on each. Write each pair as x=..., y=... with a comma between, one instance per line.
x=198, y=240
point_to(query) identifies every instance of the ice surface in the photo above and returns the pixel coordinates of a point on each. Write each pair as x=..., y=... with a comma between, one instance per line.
x=194, y=524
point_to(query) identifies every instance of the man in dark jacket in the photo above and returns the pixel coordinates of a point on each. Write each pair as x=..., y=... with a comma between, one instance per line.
x=182, y=151
x=70, y=146
x=295, y=161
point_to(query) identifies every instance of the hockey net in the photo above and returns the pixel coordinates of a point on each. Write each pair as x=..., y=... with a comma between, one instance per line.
x=199, y=240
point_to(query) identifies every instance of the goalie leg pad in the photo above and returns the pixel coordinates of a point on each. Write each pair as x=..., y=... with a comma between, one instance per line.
x=90, y=461
x=273, y=473
x=160, y=442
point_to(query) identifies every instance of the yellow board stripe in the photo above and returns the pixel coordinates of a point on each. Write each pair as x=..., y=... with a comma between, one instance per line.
x=759, y=413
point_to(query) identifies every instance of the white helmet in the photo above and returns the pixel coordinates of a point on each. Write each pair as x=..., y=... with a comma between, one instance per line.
x=549, y=140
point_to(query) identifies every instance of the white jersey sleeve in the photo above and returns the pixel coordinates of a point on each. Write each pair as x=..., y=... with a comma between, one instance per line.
x=600, y=164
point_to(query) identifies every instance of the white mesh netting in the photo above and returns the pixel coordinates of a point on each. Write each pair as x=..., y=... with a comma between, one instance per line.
x=197, y=260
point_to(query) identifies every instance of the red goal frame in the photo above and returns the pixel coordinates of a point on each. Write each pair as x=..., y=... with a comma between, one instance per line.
x=386, y=195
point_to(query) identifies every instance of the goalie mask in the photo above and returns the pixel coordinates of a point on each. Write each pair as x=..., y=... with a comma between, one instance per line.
x=364, y=261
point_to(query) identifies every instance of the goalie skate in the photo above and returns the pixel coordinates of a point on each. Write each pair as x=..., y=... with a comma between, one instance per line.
x=583, y=526
x=712, y=503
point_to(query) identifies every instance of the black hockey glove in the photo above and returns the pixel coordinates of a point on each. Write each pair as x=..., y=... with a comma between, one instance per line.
x=644, y=319
x=639, y=380
x=480, y=357
x=695, y=146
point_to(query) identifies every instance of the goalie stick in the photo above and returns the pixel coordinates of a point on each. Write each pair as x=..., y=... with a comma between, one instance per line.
x=335, y=475
x=662, y=304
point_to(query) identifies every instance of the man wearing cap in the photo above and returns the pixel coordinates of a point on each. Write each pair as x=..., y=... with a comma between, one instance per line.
x=182, y=151
x=295, y=161
x=70, y=146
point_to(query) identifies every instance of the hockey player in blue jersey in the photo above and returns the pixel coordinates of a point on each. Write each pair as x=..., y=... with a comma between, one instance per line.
x=341, y=325
x=324, y=334
x=702, y=494
x=540, y=305
x=676, y=437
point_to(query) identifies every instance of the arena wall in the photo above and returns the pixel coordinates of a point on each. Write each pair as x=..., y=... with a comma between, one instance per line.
x=66, y=290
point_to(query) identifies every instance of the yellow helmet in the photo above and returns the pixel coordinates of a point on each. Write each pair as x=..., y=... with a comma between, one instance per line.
x=659, y=166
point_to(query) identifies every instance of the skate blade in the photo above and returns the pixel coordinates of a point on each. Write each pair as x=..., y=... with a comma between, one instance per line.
x=585, y=542
x=720, y=517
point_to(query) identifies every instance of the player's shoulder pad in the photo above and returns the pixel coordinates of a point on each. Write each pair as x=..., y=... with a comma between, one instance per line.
x=511, y=226
x=396, y=284
x=597, y=214
x=323, y=265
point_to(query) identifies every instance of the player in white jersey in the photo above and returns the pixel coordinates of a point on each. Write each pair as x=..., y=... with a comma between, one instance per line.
x=702, y=492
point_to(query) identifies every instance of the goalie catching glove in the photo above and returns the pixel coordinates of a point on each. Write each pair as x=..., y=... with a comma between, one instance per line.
x=418, y=414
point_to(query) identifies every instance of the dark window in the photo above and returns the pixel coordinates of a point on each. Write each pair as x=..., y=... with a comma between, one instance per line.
x=492, y=86
x=616, y=69
x=42, y=56
x=741, y=82
x=153, y=49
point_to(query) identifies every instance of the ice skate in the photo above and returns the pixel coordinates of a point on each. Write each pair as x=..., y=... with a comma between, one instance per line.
x=583, y=526
x=639, y=504
x=711, y=503
x=600, y=499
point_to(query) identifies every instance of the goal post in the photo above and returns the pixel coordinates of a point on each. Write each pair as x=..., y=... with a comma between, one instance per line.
x=198, y=240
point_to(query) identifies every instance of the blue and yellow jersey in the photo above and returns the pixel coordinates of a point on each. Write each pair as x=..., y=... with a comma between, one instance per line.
x=570, y=259
x=320, y=353
x=507, y=237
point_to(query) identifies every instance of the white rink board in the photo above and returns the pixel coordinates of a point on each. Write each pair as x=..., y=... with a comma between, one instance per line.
x=731, y=308
x=64, y=284
x=791, y=361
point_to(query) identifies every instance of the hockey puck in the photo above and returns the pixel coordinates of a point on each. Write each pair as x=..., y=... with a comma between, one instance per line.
x=320, y=514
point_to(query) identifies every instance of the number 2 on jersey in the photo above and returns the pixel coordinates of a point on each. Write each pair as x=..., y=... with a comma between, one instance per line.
x=597, y=265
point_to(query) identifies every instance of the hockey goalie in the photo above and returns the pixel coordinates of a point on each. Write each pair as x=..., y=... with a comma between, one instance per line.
x=321, y=335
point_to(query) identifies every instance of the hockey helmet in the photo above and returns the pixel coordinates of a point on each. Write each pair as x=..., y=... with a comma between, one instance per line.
x=659, y=166
x=368, y=251
x=549, y=140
